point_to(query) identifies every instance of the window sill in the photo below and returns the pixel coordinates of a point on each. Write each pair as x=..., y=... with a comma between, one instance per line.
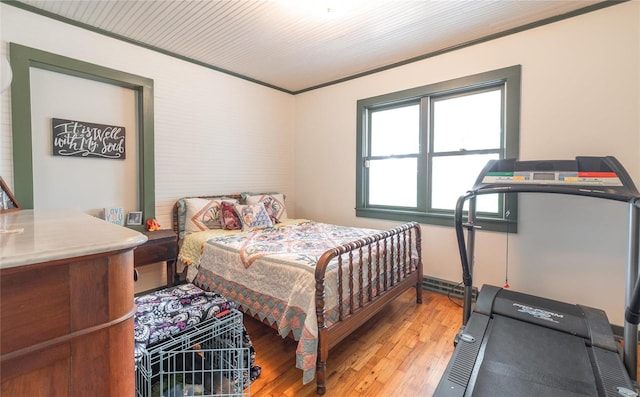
x=488, y=224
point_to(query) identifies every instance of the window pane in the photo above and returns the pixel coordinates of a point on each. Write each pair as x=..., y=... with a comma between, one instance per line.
x=468, y=122
x=392, y=182
x=395, y=131
x=454, y=175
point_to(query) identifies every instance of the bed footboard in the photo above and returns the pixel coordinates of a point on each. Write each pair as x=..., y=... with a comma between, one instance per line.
x=370, y=273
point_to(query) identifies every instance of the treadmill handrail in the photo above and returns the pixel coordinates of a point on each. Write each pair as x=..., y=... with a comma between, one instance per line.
x=584, y=190
x=632, y=311
x=466, y=271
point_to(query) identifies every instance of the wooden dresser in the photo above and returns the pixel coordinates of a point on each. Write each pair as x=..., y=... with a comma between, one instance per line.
x=66, y=305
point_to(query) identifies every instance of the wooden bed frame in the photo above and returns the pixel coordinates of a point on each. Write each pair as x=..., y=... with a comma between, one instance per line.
x=372, y=296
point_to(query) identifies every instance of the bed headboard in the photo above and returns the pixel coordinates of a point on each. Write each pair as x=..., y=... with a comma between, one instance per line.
x=180, y=211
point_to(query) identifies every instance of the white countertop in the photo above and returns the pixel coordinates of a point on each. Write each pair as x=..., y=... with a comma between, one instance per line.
x=36, y=236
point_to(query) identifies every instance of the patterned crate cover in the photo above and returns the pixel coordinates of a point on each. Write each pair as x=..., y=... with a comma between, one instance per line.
x=167, y=312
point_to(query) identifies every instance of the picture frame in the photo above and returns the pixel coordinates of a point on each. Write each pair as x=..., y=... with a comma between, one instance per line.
x=8, y=201
x=134, y=218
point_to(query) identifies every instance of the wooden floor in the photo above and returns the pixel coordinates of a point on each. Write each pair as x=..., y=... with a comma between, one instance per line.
x=401, y=352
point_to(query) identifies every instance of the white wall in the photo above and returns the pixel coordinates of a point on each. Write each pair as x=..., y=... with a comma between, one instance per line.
x=214, y=133
x=61, y=182
x=580, y=88
x=5, y=119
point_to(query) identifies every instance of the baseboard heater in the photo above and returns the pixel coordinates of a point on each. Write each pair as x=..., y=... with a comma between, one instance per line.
x=446, y=287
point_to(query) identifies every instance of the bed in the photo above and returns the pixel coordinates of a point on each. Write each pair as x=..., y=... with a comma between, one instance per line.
x=311, y=281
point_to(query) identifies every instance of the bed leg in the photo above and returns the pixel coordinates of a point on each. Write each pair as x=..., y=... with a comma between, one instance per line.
x=419, y=293
x=321, y=372
x=321, y=363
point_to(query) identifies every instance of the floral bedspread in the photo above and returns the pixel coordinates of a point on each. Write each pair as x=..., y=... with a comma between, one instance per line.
x=271, y=274
x=192, y=244
x=298, y=245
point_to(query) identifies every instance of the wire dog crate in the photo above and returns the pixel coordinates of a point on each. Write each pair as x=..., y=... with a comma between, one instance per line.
x=207, y=360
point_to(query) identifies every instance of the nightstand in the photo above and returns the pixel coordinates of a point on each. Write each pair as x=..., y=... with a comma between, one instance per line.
x=162, y=245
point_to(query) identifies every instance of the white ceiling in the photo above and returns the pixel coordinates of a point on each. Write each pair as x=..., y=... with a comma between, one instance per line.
x=296, y=45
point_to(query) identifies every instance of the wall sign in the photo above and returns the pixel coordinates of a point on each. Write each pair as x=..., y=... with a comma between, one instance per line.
x=82, y=139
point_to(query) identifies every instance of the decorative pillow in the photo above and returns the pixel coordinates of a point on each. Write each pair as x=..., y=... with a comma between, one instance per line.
x=253, y=216
x=203, y=214
x=272, y=216
x=229, y=217
x=276, y=204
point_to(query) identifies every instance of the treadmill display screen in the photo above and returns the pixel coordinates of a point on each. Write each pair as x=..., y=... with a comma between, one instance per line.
x=554, y=178
x=544, y=176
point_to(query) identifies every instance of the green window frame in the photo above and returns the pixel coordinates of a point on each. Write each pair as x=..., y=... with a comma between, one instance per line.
x=505, y=82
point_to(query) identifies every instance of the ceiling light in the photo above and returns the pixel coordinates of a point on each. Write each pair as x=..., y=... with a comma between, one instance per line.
x=330, y=8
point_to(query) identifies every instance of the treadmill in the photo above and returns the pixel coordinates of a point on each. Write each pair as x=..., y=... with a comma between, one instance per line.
x=515, y=344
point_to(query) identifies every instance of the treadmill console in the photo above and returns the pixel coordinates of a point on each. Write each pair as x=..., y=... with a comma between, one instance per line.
x=554, y=177
x=589, y=176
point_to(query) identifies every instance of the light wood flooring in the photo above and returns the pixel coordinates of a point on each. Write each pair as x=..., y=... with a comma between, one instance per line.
x=400, y=352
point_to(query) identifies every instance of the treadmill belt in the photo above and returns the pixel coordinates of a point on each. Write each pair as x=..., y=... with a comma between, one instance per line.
x=523, y=359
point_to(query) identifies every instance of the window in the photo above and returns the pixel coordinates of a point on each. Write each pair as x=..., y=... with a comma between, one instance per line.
x=420, y=149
